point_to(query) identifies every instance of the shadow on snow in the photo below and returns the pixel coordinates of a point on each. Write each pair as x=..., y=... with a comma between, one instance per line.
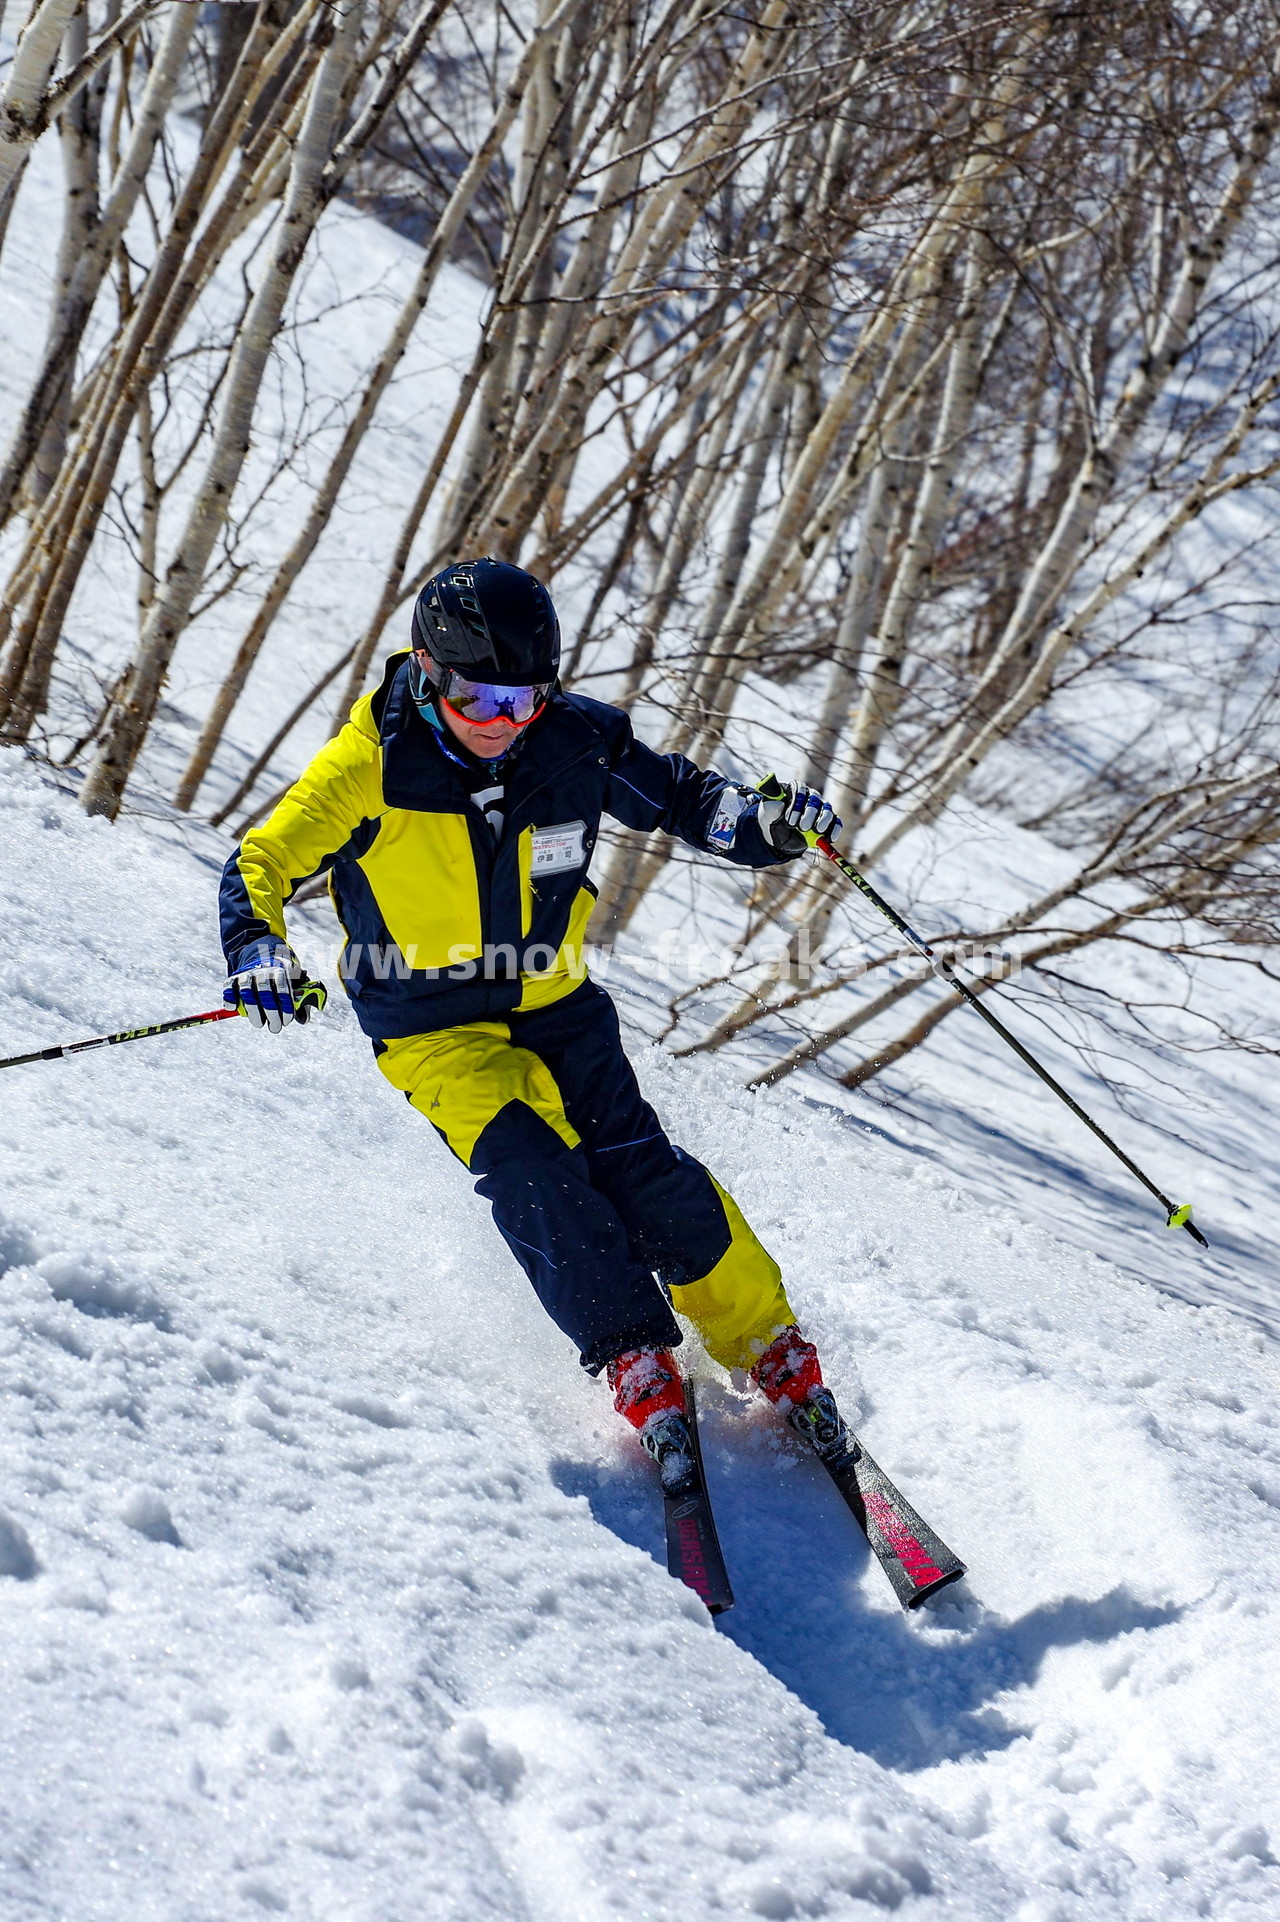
x=909, y=1691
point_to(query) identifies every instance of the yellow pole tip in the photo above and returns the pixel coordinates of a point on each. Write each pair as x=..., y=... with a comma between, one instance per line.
x=1179, y=1217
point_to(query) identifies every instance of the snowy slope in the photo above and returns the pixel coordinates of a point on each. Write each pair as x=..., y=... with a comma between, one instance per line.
x=332, y=1588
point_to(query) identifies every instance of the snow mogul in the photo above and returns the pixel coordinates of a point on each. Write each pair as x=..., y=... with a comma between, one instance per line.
x=456, y=814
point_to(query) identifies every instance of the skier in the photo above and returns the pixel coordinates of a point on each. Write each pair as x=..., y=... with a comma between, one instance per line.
x=456, y=813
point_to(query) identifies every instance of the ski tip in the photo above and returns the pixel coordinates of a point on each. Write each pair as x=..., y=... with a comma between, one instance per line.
x=930, y=1589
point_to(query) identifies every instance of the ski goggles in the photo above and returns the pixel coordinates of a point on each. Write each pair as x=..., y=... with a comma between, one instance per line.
x=482, y=701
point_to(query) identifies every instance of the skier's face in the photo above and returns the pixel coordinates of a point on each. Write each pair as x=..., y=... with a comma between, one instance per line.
x=488, y=739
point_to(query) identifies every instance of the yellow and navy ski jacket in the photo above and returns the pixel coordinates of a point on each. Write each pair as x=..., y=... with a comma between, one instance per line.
x=444, y=925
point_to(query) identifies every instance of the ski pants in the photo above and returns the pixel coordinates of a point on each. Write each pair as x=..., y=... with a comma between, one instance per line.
x=610, y=1221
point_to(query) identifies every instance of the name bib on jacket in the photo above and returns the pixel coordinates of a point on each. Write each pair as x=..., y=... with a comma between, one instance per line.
x=556, y=850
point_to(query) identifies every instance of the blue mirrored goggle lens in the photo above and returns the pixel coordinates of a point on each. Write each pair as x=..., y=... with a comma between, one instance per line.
x=481, y=701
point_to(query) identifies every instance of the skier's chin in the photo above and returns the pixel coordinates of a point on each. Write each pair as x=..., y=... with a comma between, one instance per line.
x=490, y=742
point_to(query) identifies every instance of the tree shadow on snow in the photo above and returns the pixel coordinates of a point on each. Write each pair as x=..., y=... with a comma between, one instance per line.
x=798, y=1564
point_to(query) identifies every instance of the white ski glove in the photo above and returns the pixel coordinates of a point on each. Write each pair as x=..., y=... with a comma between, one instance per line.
x=792, y=818
x=272, y=987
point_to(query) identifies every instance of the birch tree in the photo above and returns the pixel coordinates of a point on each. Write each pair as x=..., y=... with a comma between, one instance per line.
x=305, y=197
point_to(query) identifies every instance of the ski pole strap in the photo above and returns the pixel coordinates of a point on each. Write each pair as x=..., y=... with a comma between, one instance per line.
x=1176, y=1215
x=126, y=1034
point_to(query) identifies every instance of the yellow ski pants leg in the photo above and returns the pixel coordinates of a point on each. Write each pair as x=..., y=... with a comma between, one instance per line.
x=592, y=1197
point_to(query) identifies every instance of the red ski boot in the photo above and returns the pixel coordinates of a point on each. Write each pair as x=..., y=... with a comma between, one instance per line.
x=648, y=1392
x=790, y=1375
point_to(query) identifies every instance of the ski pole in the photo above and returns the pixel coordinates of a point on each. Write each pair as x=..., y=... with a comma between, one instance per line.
x=126, y=1034
x=1177, y=1215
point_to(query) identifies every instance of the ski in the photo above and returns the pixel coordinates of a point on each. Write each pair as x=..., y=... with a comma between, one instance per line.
x=693, y=1547
x=917, y=1562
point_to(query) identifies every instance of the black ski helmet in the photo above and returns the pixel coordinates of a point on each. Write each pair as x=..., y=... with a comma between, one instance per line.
x=490, y=621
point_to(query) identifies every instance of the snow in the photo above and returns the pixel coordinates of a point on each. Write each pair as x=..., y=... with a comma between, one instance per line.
x=331, y=1588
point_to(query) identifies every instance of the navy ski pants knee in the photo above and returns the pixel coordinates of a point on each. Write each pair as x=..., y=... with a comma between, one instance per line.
x=591, y=1197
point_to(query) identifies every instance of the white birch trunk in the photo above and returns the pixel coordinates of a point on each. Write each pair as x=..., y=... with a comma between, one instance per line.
x=586, y=270
x=694, y=505
x=1038, y=680
x=495, y=400
x=78, y=137
x=63, y=532
x=23, y=107
x=664, y=224
x=799, y=527
x=505, y=416
x=446, y=232
x=1102, y=465
x=765, y=434
x=762, y=590
x=858, y=615
x=171, y=609
x=883, y=691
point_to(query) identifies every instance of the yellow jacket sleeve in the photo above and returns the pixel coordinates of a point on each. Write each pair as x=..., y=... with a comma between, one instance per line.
x=338, y=790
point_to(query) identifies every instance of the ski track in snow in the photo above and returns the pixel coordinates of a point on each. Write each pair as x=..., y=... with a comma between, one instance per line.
x=333, y=1589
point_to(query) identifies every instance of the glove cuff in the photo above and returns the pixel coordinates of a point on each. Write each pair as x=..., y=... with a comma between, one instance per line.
x=269, y=952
